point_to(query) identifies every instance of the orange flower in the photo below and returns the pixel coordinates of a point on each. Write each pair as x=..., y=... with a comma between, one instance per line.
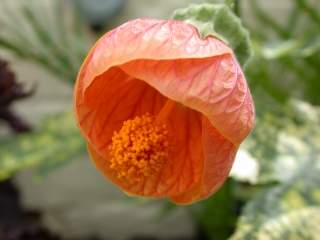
x=163, y=111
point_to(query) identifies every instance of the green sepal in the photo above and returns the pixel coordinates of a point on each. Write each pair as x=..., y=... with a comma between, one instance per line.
x=219, y=21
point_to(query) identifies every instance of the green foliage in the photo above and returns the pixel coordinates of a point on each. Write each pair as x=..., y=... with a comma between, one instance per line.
x=285, y=66
x=272, y=220
x=289, y=209
x=298, y=224
x=231, y=4
x=216, y=216
x=218, y=20
x=287, y=59
x=50, y=34
x=45, y=32
x=54, y=144
x=284, y=210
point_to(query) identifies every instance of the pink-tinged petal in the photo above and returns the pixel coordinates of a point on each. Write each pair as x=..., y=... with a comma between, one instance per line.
x=148, y=39
x=214, y=86
x=170, y=56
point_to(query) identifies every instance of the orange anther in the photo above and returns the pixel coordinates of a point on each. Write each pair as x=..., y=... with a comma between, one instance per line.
x=140, y=148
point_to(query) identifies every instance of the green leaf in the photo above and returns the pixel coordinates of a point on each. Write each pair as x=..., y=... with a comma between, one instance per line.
x=289, y=210
x=45, y=32
x=281, y=142
x=57, y=142
x=230, y=3
x=310, y=10
x=277, y=50
x=267, y=21
x=298, y=224
x=294, y=58
x=218, y=20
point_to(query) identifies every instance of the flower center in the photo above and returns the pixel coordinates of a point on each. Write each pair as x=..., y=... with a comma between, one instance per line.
x=139, y=149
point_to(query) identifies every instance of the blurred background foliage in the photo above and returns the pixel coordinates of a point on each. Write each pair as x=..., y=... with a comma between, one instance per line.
x=273, y=192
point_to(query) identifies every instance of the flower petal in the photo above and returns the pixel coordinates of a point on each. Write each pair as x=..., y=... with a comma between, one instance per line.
x=184, y=167
x=214, y=85
x=147, y=39
x=134, y=69
x=112, y=99
x=219, y=154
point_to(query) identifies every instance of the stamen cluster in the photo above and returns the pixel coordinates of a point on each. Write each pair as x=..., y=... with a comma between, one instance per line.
x=139, y=149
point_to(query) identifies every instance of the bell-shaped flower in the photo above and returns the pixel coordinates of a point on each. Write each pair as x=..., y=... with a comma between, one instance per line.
x=162, y=110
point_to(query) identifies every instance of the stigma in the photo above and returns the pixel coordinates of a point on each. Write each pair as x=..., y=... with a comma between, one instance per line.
x=139, y=149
